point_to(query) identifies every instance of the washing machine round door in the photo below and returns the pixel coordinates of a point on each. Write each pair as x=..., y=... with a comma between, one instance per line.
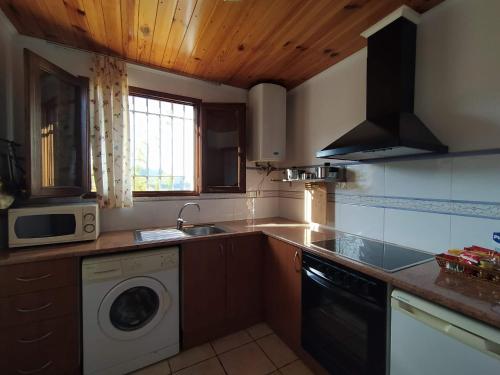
x=133, y=308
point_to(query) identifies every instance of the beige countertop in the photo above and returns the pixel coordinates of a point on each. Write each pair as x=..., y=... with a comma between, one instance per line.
x=475, y=298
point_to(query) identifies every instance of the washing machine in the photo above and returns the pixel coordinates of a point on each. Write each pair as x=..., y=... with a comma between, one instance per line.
x=130, y=305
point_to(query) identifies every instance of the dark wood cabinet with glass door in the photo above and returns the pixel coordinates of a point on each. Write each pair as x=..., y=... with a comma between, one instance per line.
x=223, y=147
x=56, y=131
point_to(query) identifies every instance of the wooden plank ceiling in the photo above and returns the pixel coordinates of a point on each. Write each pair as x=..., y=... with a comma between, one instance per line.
x=238, y=43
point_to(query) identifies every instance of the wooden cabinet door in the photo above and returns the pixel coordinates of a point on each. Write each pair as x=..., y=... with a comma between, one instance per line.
x=203, y=291
x=223, y=147
x=244, y=260
x=282, y=264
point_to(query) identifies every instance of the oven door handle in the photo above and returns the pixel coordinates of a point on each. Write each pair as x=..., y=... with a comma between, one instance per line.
x=319, y=280
x=338, y=289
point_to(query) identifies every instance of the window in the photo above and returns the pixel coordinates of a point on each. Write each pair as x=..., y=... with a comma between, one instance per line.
x=163, y=142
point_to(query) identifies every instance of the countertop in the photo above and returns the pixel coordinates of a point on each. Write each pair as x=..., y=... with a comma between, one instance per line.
x=475, y=298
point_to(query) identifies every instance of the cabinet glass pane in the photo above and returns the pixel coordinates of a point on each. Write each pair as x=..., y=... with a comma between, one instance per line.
x=222, y=142
x=60, y=124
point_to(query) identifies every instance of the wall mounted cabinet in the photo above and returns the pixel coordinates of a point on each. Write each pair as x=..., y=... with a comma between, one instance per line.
x=223, y=148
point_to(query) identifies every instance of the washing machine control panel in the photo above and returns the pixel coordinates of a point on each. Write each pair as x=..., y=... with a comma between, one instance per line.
x=140, y=263
x=154, y=262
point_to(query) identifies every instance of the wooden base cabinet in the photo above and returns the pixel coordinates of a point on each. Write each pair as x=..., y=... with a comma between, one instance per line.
x=282, y=295
x=221, y=287
x=39, y=318
x=203, y=290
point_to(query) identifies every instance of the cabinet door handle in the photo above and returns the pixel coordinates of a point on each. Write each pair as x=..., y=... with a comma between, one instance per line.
x=295, y=257
x=221, y=250
x=31, y=341
x=34, y=371
x=40, y=308
x=35, y=278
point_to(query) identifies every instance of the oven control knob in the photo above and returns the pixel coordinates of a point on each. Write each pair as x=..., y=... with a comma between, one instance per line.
x=89, y=228
x=89, y=217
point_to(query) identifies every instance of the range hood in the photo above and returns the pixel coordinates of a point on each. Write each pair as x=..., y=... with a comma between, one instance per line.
x=391, y=129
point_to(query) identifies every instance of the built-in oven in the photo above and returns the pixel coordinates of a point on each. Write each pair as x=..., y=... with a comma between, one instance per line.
x=344, y=315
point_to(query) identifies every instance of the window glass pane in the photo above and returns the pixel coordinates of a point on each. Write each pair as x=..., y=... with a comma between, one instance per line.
x=189, y=154
x=130, y=103
x=153, y=183
x=178, y=110
x=166, y=183
x=166, y=144
x=140, y=183
x=153, y=106
x=141, y=144
x=153, y=145
x=178, y=140
x=163, y=140
x=166, y=108
x=189, y=111
x=140, y=104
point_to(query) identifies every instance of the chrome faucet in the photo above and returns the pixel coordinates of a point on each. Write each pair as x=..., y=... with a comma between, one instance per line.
x=180, y=220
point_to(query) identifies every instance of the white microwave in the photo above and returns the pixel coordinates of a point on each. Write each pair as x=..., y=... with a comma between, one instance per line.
x=42, y=225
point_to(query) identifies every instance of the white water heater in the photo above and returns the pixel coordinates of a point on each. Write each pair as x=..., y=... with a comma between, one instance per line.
x=266, y=130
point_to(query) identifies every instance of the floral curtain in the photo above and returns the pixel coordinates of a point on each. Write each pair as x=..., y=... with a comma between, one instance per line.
x=110, y=132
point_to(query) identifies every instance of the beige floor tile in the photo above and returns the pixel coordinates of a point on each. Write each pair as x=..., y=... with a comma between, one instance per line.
x=209, y=367
x=259, y=330
x=191, y=356
x=231, y=341
x=246, y=360
x=277, y=350
x=296, y=368
x=160, y=368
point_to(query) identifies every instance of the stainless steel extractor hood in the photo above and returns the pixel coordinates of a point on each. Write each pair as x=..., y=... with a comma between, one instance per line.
x=391, y=128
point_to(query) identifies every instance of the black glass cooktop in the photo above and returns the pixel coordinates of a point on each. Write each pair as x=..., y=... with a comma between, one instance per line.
x=383, y=255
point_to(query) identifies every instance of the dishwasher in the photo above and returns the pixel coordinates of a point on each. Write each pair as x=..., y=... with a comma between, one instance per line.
x=429, y=339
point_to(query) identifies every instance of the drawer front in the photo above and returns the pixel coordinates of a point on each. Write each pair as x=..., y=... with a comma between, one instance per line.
x=37, y=276
x=47, y=347
x=34, y=307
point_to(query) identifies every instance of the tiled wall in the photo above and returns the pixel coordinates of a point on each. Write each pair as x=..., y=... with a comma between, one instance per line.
x=428, y=204
x=261, y=200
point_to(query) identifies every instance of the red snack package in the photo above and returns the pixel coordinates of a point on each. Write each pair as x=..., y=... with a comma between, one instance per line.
x=469, y=257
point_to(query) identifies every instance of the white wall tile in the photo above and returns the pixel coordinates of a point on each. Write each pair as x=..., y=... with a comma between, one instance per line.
x=363, y=179
x=420, y=230
x=476, y=178
x=150, y=214
x=266, y=207
x=211, y=211
x=468, y=231
x=292, y=209
x=360, y=220
x=418, y=179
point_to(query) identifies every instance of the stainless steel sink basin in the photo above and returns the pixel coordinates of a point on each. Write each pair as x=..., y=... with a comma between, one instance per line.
x=202, y=230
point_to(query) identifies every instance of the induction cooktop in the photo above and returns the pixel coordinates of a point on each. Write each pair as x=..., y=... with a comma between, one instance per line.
x=386, y=256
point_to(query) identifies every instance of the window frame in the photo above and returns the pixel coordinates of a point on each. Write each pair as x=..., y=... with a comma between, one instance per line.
x=196, y=103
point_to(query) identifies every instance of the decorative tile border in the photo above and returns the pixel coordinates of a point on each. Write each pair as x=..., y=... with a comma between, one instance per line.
x=214, y=196
x=487, y=210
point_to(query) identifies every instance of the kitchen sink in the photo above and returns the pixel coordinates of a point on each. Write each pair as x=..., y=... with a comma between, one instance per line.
x=202, y=230
x=147, y=235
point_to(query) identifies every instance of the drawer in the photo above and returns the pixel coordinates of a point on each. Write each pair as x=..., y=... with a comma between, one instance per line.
x=47, y=347
x=34, y=307
x=36, y=276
